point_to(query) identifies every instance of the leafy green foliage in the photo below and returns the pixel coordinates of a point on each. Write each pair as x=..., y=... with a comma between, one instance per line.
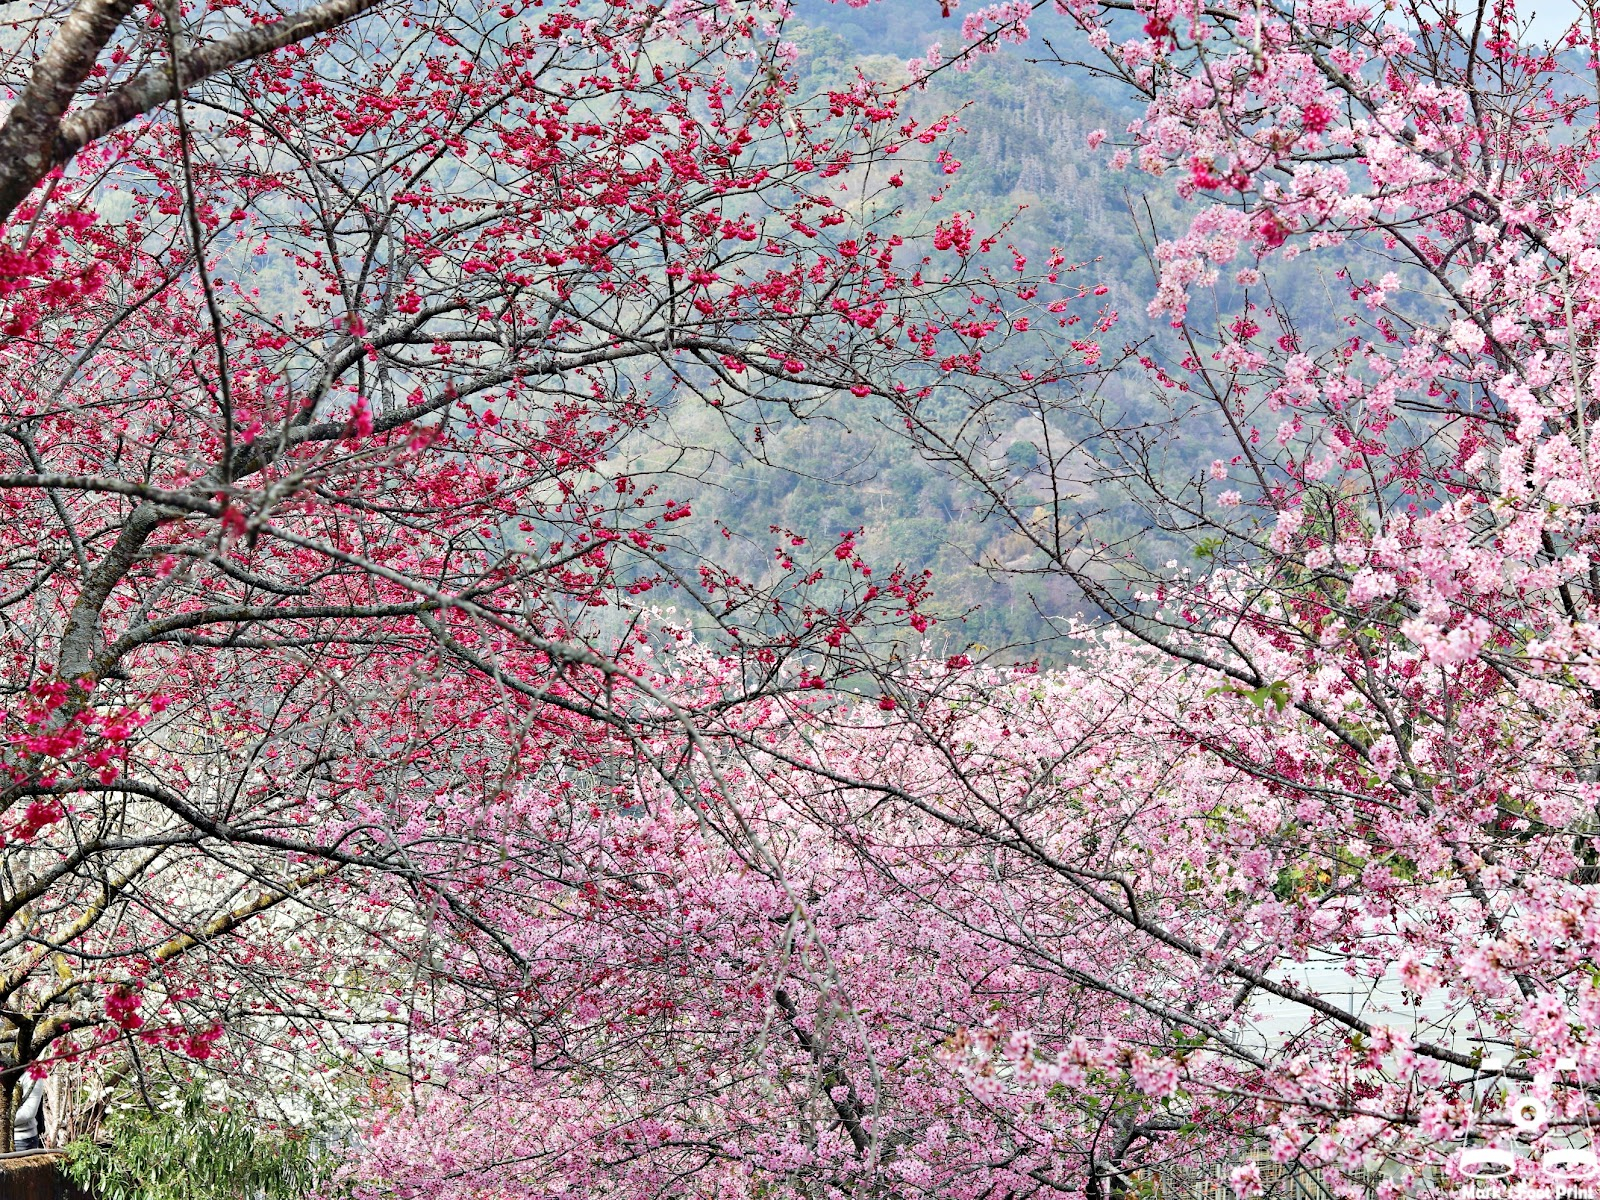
x=198, y=1152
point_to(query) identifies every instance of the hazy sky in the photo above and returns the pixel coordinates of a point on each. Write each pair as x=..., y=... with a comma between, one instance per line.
x=1551, y=18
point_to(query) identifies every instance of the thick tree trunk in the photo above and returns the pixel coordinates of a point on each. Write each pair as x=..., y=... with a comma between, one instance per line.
x=37, y=133
x=8, y=1088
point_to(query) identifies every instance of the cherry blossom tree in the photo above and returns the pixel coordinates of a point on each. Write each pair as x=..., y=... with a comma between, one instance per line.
x=329, y=347
x=1374, y=382
x=1318, y=823
x=862, y=1005
x=339, y=719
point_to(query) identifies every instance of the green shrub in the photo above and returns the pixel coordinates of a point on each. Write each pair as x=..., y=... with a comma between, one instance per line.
x=198, y=1152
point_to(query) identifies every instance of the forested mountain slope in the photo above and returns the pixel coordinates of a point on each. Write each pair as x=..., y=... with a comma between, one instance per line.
x=1025, y=167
